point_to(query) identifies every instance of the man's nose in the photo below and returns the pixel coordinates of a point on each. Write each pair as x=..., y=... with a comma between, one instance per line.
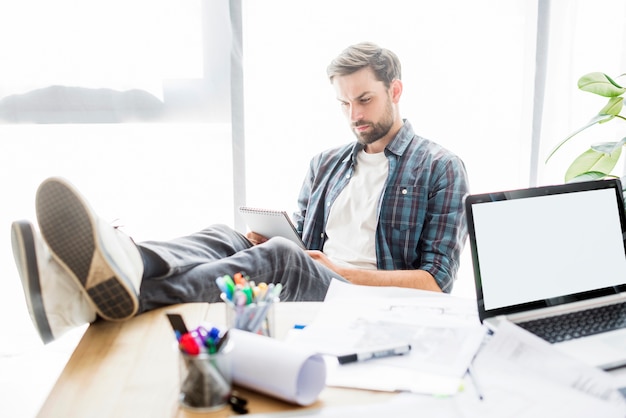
x=356, y=113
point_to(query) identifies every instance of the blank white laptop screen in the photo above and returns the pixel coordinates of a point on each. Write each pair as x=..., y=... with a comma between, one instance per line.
x=543, y=247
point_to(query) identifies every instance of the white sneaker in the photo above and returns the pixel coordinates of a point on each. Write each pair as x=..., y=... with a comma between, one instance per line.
x=101, y=259
x=55, y=303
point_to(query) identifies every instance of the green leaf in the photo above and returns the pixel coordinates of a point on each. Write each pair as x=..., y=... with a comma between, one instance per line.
x=596, y=119
x=601, y=84
x=590, y=175
x=613, y=107
x=592, y=161
x=609, y=147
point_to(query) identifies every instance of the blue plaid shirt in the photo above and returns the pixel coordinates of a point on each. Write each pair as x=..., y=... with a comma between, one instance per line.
x=421, y=212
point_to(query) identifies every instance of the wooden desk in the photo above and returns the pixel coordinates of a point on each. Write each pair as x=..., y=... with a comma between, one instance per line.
x=130, y=369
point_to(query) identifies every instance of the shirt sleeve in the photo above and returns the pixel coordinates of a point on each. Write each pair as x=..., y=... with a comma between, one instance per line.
x=445, y=230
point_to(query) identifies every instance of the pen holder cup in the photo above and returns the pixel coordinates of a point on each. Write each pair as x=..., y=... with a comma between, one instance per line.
x=258, y=318
x=205, y=380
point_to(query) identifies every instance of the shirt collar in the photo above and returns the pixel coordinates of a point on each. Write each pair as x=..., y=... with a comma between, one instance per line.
x=402, y=140
x=397, y=146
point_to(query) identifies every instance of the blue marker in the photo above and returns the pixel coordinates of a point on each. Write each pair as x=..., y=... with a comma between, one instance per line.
x=221, y=284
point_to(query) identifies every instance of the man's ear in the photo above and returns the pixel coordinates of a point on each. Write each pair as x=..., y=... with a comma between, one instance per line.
x=396, y=90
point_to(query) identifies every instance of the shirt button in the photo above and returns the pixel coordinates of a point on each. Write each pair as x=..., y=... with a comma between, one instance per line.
x=404, y=191
x=322, y=235
x=348, y=175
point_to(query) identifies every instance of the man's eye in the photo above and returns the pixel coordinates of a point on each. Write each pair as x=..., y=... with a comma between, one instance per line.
x=366, y=100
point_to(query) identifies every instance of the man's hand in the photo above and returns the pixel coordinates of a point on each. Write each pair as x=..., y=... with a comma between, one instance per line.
x=321, y=258
x=416, y=279
x=255, y=238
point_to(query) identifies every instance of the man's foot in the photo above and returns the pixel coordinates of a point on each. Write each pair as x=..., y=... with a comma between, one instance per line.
x=103, y=261
x=55, y=303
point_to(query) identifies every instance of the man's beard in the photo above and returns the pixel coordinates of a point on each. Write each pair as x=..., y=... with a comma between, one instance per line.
x=378, y=130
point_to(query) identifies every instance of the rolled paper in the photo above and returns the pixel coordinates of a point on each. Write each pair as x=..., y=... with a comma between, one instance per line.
x=277, y=368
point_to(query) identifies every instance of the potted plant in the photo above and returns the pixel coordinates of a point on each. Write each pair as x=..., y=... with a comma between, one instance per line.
x=600, y=159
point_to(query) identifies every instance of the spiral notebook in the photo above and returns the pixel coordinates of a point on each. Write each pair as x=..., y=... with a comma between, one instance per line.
x=271, y=223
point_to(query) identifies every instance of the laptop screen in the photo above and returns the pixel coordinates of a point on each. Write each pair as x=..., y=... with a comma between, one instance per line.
x=547, y=245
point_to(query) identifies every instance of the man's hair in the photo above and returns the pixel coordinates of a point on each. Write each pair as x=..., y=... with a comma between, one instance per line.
x=383, y=62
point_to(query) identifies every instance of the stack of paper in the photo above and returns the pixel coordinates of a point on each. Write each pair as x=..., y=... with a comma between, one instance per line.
x=521, y=375
x=444, y=334
x=514, y=373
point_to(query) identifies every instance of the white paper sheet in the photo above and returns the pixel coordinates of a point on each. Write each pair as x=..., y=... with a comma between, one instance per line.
x=391, y=379
x=518, y=374
x=444, y=334
x=275, y=368
x=521, y=375
x=515, y=349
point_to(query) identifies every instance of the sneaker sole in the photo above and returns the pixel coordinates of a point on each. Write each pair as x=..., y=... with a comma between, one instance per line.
x=69, y=228
x=24, y=252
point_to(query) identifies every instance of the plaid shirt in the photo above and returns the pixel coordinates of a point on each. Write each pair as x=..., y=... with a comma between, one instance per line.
x=421, y=212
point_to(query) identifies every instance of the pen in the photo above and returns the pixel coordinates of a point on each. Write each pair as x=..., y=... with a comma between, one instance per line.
x=366, y=355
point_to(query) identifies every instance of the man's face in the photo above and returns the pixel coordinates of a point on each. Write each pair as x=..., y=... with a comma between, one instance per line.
x=366, y=102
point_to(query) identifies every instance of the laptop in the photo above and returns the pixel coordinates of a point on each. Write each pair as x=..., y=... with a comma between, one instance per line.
x=542, y=252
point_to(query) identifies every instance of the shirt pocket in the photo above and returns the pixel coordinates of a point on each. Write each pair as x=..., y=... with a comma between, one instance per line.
x=404, y=207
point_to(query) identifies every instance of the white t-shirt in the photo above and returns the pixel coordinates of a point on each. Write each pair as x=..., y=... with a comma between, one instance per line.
x=351, y=226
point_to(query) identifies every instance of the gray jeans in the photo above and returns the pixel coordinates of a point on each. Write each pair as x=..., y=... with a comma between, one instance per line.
x=195, y=261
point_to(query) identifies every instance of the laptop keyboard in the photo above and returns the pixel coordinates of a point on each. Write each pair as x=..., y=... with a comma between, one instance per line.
x=572, y=325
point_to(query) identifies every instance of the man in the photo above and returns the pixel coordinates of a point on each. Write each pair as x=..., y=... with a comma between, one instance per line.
x=386, y=210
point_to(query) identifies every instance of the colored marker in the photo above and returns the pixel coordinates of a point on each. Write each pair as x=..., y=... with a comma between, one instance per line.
x=230, y=287
x=189, y=345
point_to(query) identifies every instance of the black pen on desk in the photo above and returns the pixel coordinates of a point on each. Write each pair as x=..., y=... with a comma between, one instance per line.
x=379, y=353
x=472, y=376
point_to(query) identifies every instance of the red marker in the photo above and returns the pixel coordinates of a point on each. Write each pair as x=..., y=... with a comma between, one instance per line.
x=188, y=344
